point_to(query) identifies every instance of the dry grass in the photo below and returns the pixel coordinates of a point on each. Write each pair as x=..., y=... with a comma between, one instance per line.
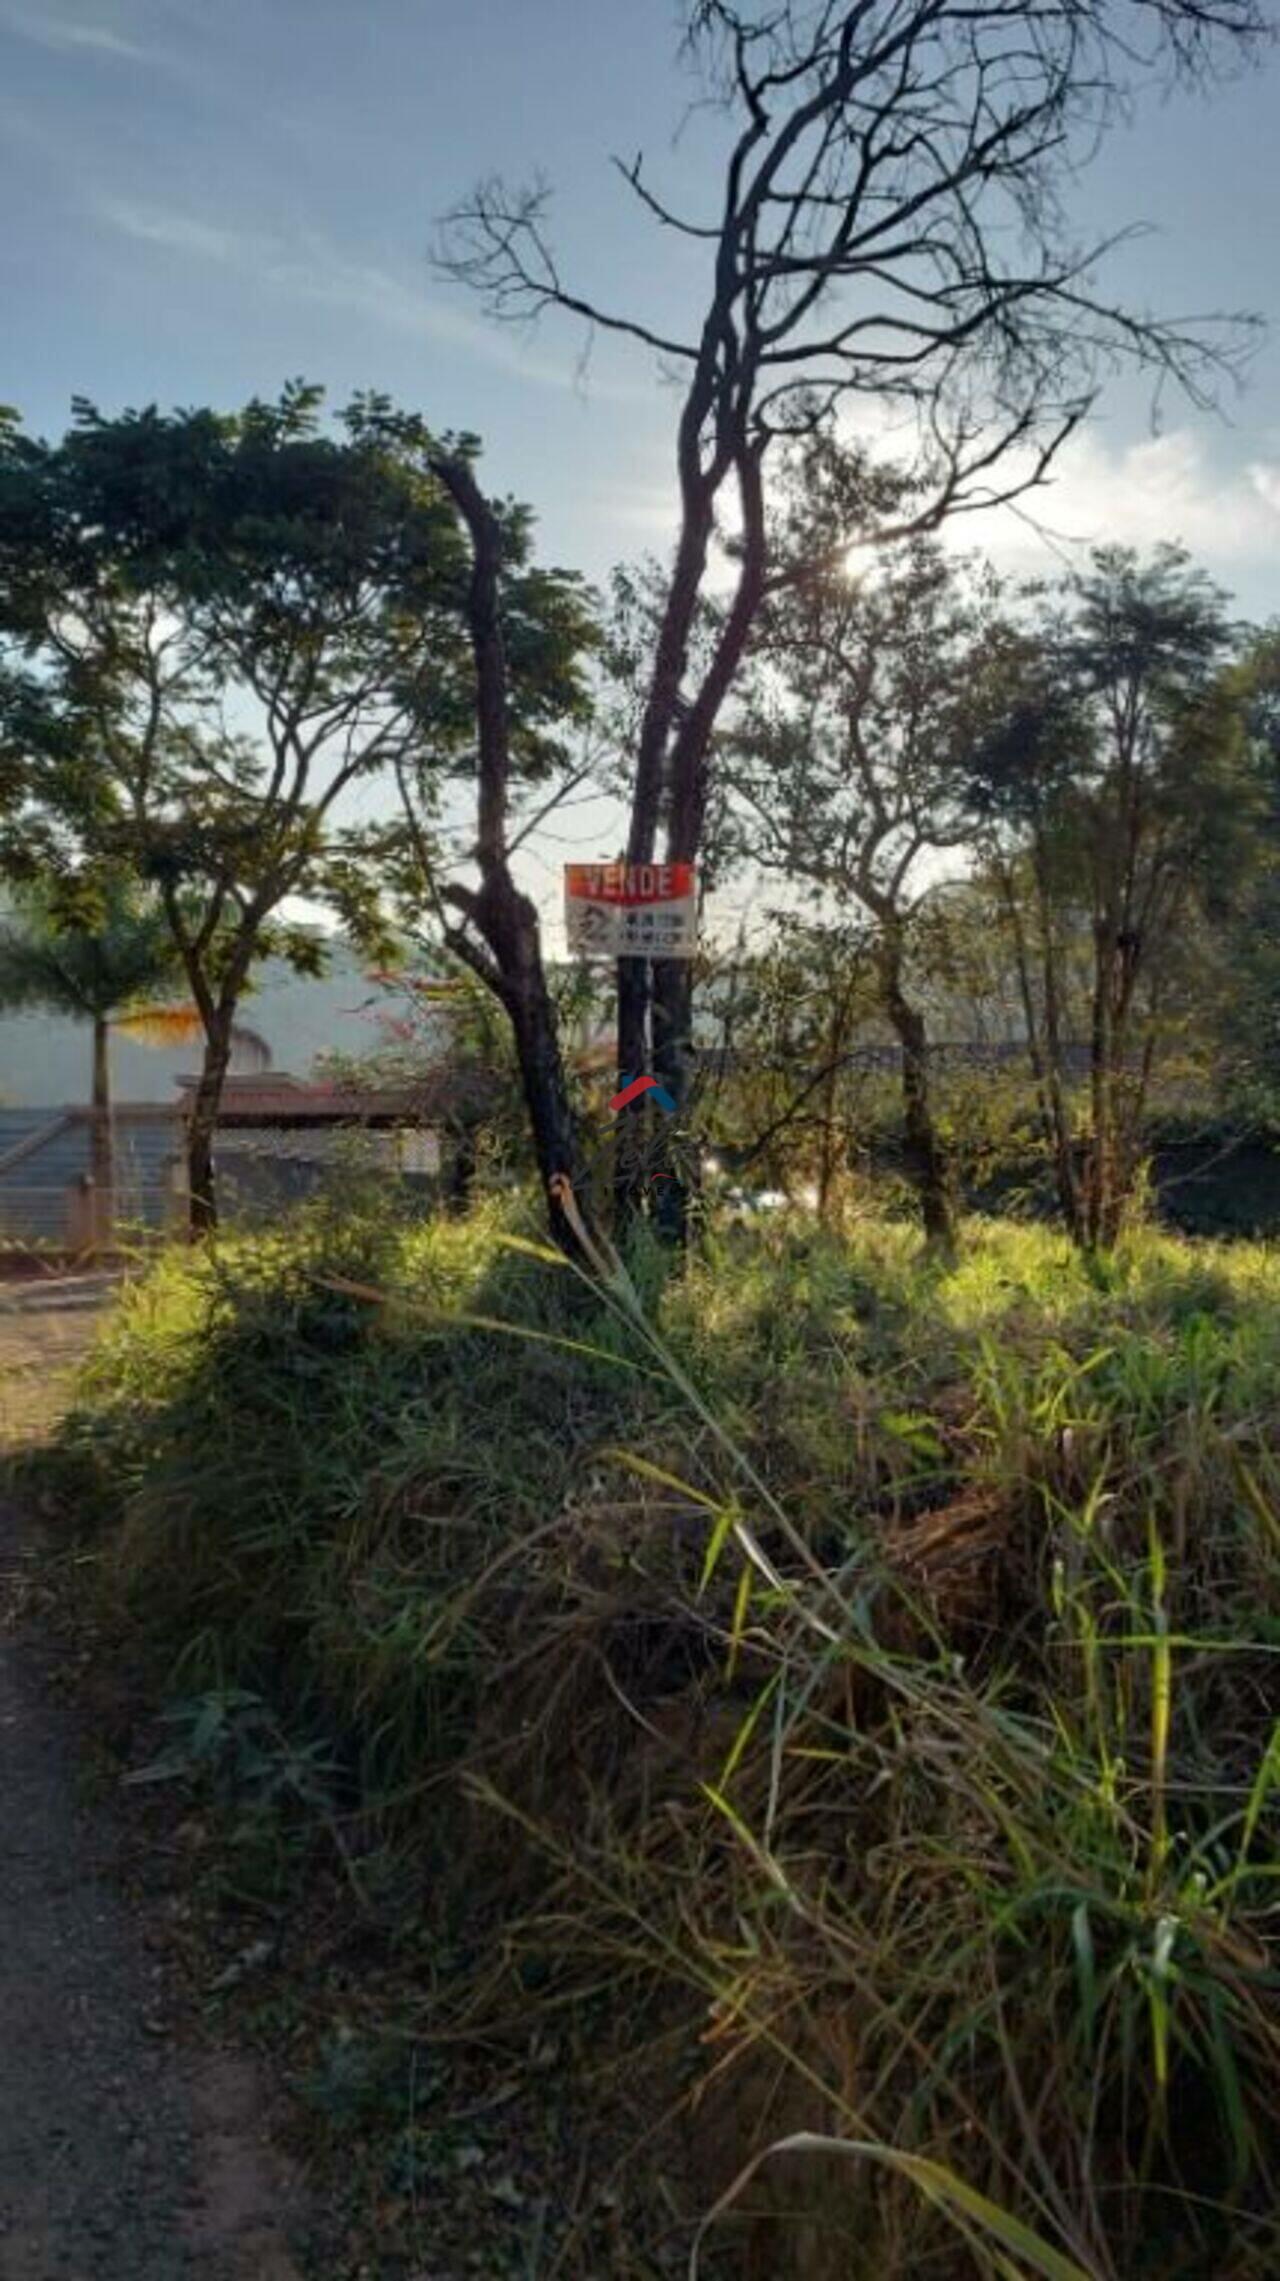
x=39, y=1357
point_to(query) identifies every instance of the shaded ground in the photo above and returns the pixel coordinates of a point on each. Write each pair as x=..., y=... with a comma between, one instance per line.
x=122, y=2156
x=134, y=1977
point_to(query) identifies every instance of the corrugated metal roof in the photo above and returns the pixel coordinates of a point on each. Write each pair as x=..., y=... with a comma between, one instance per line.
x=34, y=1190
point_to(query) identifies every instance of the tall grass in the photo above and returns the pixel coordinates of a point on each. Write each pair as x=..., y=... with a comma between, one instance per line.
x=884, y=1657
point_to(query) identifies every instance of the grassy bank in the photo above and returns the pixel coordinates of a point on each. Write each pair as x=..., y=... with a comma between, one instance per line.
x=851, y=1680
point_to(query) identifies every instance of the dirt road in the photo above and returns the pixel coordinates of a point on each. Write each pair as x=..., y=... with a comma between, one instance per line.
x=123, y=2157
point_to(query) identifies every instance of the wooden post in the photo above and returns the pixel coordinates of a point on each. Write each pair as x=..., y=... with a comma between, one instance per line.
x=88, y=1216
x=177, y=1196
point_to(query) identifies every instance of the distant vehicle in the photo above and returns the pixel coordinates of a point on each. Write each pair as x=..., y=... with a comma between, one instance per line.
x=756, y=1199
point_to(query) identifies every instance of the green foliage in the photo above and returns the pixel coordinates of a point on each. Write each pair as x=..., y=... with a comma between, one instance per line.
x=1245, y=1009
x=321, y=574
x=213, y=628
x=228, y=1740
x=962, y=1588
x=85, y=946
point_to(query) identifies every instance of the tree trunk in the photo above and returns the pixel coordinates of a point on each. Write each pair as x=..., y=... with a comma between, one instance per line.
x=830, y=1093
x=1046, y=1061
x=1132, y=1112
x=462, y=1172
x=639, y=981
x=1064, y=1152
x=1100, y=1200
x=102, y=1166
x=505, y=919
x=509, y=924
x=1073, y=1203
x=202, y=1125
x=1128, y=1088
x=926, y=1159
x=634, y=984
x=673, y=1065
x=673, y=979
x=827, y=1149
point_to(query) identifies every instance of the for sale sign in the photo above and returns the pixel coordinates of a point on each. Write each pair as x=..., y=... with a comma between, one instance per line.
x=631, y=910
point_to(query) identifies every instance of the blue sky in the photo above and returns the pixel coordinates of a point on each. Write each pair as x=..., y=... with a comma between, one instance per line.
x=205, y=196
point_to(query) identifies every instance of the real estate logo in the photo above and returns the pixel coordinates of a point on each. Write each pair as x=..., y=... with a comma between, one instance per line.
x=635, y=1088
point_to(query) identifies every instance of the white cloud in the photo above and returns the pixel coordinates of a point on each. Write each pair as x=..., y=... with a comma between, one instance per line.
x=647, y=511
x=309, y=268
x=314, y=272
x=62, y=32
x=1266, y=482
x=1181, y=486
x=181, y=233
x=1161, y=487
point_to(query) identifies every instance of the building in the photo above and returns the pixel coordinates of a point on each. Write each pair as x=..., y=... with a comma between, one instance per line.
x=281, y=1126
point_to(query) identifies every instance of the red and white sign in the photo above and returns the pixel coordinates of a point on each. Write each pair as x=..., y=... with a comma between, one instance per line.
x=631, y=910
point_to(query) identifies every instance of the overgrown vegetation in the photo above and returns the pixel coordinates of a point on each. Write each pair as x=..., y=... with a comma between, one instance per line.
x=856, y=1672
x=817, y=1686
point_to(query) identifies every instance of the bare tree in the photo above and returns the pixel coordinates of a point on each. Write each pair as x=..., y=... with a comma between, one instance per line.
x=891, y=226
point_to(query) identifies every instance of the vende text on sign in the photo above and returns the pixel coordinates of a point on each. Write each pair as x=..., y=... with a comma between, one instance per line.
x=631, y=910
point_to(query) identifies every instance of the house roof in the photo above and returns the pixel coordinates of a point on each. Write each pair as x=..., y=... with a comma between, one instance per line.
x=271, y=1097
x=126, y=1112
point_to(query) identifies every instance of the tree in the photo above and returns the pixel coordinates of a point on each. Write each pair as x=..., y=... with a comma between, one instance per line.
x=529, y=631
x=90, y=951
x=786, y=1099
x=1247, y=1035
x=891, y=227
x=847, y=760
x=227, y=625
x=1120, y=801
x=447, y=1042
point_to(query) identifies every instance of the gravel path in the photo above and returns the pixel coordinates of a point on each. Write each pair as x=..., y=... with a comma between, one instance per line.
x=122, y=2157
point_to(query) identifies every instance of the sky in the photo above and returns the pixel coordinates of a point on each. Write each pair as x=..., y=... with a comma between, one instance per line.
x=202, y=200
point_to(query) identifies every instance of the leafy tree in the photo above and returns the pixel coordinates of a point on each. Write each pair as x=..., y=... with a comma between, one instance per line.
x=1120, y=802
x=1247, y=1035
x=218, y=628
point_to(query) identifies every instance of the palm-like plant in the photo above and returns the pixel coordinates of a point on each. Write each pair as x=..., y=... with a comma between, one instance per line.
x=100, y=955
